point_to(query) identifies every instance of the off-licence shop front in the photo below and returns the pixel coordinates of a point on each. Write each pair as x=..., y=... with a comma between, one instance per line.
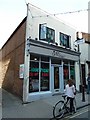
x=50, y=67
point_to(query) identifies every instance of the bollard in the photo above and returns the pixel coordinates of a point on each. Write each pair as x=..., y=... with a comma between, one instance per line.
x=83, y=93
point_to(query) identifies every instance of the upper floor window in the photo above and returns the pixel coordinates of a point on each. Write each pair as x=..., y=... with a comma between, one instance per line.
x=46, y=33
x=65, y=40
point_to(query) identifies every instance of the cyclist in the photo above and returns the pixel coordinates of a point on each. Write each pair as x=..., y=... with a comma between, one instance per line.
x=70, y=92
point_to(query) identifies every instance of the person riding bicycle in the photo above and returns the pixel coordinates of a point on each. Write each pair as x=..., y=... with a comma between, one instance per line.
x=70, y=93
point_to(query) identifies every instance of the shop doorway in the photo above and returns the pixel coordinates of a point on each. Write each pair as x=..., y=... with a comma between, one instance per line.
x=57, y=78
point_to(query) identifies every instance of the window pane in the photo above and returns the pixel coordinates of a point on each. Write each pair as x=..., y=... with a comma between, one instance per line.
x=66, y=74
x=42, y=31
x=56, y=61
x=34, y=77
x=46, y=34
x=44, y=58
x=44, y=76
x=65, y=40
x=72, y=73
x=72, y=62
x=34, y=57
x=50, y=35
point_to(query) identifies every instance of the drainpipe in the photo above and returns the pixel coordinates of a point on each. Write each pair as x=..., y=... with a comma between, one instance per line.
x=26, y=61
x=79, y=38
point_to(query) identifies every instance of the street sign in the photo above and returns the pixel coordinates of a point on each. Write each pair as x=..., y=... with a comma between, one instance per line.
x=80, y=41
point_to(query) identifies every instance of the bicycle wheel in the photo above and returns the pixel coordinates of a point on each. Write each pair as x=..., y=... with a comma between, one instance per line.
x=59, y=110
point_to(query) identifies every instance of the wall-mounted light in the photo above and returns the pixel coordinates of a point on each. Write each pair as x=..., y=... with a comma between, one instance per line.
x=35, y=59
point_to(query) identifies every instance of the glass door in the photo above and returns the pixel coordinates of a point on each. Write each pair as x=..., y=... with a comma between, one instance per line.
x=56, y=78
x=57, y=84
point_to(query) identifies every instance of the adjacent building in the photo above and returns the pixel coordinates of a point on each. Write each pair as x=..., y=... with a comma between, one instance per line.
x=39, y=57
x=85, y=57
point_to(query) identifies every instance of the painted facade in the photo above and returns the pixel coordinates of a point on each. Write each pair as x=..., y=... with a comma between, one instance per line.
x=85, y=57
x=48, y=51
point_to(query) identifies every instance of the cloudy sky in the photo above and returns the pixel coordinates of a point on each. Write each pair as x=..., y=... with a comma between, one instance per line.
x=13, y=11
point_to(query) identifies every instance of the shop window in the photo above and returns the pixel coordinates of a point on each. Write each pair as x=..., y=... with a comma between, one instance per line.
x=65, y=40
x=34, y=77
x=72, y=72
x=46, y=33
x=65, y=62
x=34, y=57
x=56, y=61
x=44, y=58
x=44, y=76
x=38, y=74
x=69, y=71
x=72, y=62
x=66, y=74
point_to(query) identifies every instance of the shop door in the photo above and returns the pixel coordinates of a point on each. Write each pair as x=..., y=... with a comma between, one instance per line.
x=56, y=78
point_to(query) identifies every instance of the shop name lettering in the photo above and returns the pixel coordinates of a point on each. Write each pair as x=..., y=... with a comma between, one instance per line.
x=55, y=53
x=37, y=70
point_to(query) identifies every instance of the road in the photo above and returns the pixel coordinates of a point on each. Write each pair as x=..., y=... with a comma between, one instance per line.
x=81, y=113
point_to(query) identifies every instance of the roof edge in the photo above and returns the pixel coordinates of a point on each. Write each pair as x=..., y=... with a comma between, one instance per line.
x=15, y=31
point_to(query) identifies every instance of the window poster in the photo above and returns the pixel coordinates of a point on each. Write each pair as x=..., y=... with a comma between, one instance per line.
x=21, y=71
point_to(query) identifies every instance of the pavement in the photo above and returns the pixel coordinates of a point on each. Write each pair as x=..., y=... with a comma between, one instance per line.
x=12, y=107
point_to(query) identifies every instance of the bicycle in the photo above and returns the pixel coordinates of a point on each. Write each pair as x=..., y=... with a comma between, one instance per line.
x=62, y=107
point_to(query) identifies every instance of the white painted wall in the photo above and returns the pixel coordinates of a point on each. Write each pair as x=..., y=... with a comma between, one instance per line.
x=52, y=22
x=84, y=52
x=77, y=75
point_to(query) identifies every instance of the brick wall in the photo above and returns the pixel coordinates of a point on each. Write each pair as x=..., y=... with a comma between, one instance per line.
x=12, y=57
x=0, y=68
x=86, y=36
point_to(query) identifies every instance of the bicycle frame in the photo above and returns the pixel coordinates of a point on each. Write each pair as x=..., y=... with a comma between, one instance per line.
x=62, y=107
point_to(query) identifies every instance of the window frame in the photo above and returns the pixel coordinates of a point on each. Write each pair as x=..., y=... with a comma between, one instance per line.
x=68, y=45
x=46, y=36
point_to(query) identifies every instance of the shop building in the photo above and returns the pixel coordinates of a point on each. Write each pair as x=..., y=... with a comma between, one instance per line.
x=39, y=57
x=85, y=57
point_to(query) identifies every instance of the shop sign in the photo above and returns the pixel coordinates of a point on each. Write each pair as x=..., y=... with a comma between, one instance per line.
x=21, y=71
x=34, y=72
x=55, y=53
x=80, y=41
x=37, y=70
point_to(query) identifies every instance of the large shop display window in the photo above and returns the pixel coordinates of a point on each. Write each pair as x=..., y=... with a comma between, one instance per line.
x=38, y=74
x=72, y=70
x=34, y=77
x=69, y=71
x=44, y=76
x=66, y=73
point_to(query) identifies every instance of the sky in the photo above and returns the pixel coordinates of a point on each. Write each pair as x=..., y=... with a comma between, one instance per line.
x=12, y=13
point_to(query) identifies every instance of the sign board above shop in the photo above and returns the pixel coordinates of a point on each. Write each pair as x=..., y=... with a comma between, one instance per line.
x=80, y=41
x=55, y=53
